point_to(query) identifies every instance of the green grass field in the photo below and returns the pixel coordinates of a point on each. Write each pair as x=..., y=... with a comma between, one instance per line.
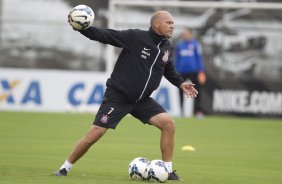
x=229, y=150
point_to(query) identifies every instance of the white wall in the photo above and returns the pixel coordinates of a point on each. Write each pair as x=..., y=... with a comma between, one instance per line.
x=62, y=91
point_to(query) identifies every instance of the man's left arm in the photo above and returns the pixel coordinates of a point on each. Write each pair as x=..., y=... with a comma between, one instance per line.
x=172, y=75
x=176, y=79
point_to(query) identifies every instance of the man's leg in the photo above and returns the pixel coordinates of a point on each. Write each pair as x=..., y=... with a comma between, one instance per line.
x=187, y=77
x=93, y=135
x=166, y=124
x=181, y=102
x=197, y=101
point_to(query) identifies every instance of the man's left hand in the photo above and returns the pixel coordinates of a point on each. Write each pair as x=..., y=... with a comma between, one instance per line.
x=189, y=90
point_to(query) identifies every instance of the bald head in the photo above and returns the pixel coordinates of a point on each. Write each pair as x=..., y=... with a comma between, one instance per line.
x=158, y=15
x=162, y=23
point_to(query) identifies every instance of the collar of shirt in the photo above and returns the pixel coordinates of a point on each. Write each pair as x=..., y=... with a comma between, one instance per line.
x=156, y=38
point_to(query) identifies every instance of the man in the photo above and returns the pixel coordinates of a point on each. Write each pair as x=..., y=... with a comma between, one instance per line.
x=189, y=64
x=145, y=58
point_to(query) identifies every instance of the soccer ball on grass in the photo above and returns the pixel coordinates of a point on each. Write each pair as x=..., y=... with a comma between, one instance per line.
x=81, y=17
x=137, y=167
x=156, y=171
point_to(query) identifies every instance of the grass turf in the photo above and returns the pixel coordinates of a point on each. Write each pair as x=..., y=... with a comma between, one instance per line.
x=229, y=150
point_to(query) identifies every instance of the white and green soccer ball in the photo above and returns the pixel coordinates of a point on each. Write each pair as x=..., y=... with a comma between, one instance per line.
x=156, y=171
x=137, y=167
x=81, y=17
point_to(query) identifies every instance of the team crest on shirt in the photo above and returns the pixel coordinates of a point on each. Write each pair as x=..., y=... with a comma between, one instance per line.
x=104, y=118
x=166, y=55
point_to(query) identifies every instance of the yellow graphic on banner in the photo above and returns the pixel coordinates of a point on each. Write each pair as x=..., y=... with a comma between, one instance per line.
x=9, y=88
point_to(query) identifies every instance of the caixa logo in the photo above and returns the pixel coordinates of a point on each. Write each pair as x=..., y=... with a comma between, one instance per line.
x=94, y=97
x=29, y=93
x=96, y=93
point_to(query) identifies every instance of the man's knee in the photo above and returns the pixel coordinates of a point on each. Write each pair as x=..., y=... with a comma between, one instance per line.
x=163, y=121
x=169, y=125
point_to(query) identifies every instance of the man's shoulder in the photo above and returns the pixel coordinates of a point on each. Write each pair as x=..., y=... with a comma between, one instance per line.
x=137, y=31
x=138, y=34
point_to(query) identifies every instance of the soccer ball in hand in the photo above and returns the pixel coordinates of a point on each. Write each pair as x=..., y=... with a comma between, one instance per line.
x=156, y=171
x=81, y=17
x=136, y=168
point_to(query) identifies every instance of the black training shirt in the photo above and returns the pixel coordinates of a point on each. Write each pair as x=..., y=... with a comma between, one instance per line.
x=144, y=59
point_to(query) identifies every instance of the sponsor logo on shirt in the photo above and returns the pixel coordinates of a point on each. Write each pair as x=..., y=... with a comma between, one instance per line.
x=146, y=48
x=145, y=53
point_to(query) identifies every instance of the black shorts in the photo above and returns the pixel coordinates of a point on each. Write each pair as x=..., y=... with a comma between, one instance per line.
x=112, y=111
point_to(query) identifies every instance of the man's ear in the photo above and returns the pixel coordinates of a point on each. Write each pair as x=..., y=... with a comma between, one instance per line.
x=157, y=24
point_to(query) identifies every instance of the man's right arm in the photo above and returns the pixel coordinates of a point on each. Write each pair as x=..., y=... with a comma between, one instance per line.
x=109, y=36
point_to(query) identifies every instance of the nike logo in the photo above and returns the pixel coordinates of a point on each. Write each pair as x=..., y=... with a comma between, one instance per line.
x=146, y=48
x=82, y=16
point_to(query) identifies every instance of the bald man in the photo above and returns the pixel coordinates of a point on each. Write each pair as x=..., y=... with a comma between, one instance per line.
x=145, y=58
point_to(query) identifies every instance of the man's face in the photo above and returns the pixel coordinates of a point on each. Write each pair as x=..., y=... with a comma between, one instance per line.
x=187, y=34
x=165, y=25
